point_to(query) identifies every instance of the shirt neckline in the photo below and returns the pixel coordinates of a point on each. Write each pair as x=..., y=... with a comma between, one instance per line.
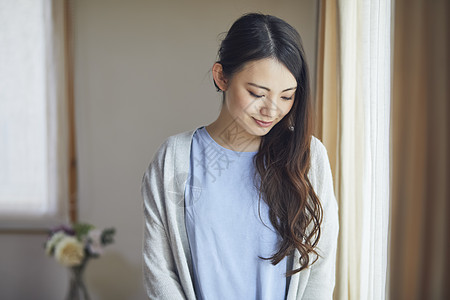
x=203, y=132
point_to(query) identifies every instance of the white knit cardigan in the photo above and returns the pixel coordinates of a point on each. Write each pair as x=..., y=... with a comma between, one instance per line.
x=167, y=263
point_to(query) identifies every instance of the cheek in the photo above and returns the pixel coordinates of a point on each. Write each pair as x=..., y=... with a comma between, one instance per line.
x=285, y=108
x=243, y=102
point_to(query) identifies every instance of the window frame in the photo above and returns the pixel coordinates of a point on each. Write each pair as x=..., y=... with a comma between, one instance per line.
x=61, y=12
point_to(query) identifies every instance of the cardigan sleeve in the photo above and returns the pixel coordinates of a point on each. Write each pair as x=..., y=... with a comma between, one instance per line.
x=161, y=280
x=321, y=279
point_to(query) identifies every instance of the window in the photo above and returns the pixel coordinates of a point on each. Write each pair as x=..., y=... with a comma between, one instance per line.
x=34, y=122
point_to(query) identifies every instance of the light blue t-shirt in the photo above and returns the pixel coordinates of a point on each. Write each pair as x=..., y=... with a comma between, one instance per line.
x=225, y=231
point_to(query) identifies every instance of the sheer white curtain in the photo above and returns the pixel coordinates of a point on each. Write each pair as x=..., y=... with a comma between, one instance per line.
x=365, y=36
x=33, y=114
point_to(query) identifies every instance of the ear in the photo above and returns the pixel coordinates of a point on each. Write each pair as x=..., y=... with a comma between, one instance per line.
x=219, y=77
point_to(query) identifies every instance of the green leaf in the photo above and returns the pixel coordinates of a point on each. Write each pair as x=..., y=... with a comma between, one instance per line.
x=108, y=236
x=82, y=229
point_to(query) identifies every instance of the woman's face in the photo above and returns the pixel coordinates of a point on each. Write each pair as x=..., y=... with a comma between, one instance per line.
x=259, y=96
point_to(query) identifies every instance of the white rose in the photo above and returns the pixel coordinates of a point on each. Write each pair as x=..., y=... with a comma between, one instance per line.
x=53, y=241
x=69, y=252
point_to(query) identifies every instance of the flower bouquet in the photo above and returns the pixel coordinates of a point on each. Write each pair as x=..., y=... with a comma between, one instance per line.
x=73, y=246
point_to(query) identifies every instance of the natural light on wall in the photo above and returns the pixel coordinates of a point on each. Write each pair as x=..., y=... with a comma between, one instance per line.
x=32, y=122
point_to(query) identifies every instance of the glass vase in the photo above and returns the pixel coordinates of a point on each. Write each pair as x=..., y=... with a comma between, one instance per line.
x=77, y=287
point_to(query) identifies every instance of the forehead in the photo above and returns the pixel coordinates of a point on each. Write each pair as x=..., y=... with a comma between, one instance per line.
x=266, y=72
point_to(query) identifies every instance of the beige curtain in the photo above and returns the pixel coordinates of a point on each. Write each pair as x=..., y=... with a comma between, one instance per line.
x=327, y=89
x=328, y=108
x=419, y=254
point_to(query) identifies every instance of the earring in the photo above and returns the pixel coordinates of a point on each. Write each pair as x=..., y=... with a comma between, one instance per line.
x=291, y=124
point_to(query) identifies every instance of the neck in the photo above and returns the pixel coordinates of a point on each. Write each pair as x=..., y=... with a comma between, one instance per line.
x=231, y=136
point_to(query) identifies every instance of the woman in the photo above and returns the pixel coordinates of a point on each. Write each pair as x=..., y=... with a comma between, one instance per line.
x=244, y=207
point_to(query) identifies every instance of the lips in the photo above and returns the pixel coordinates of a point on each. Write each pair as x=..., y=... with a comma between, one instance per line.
x=263, y=123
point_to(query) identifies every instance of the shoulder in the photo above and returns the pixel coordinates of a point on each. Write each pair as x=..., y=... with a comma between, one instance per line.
x=317, y=147
x=319, y=155
x=176, y=143
x=173, y=154
x=322, y=181
x=320, y=171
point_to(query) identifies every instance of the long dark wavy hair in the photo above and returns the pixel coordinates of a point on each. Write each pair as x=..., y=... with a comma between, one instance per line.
x=283, y=158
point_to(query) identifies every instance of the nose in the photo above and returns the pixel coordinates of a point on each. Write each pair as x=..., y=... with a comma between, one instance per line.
x=268, y=108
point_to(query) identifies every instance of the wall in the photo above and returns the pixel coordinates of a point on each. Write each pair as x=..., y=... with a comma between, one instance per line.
x=141, y=74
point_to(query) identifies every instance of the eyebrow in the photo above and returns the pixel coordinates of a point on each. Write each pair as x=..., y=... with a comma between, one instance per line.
x=267, y=89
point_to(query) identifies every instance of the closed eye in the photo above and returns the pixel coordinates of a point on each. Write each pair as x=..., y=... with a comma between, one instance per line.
x=255, y=95
x=287, y=98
